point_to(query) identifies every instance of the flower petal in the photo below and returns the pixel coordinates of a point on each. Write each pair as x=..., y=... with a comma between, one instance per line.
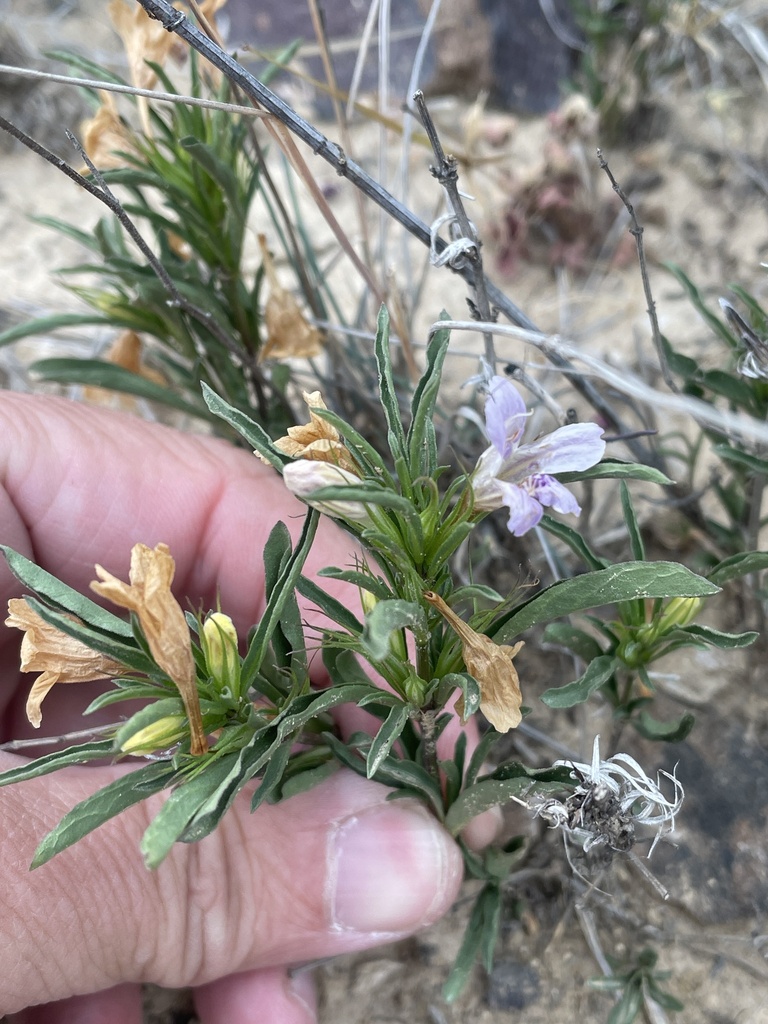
x=505, y=415
x=162, y=619
x=525, y=511
x=59, y=657
x=551, y=492
x=566, y=450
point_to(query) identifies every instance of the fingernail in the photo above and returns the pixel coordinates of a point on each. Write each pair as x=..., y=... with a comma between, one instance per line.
x=301, y=989
x=392, y=869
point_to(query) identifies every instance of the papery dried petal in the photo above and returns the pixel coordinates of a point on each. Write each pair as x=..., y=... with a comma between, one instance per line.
x=317, y=440
x=491, y=665
x=144, y=39
x=289, y=333
x=59, y=658
x=105, y=135
x=162, y=619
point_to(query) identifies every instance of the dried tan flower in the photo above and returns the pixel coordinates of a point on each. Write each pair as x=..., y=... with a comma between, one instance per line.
x=491, y=665
x=105, y=135
x=149, y=595
x=289, y=333
x=144, y=39
x=126, y=351
x=318, y=440
x=56, y=655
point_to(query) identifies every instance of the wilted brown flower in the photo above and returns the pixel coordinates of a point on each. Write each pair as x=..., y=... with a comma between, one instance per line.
x=491, y=665
x=318, y=440
x=149, y=595
x=56, y=655
x=144, y=39
x=105, y=135
x=289, y=333
x=126, y=351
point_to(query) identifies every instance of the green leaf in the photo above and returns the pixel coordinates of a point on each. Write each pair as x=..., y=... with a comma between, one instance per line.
x=108, y=802
x=480, y=755
x=582, y=644
x=628, y=1007
x=283, y=589
x=741, y=458
x=597, y=674
x=738, y=565
x=301, y=782
x=625, y=581
x=330, y=606
x=422, y=447
x=46, y=324
x=717, y=638
x=387, y=389
x=102, y=374
x=575, y=542
x=131, y=656
x=387, y=618
x=251, y=431
x=615, y=469
x=633, y=528
x=505, y=783
x=384, y=739
x=479, y=936
x=172, y=819
x=273, y=775
x=470, y=691
x=48, y=763
x=694, y=295
x=668, y=732
x=63, y=597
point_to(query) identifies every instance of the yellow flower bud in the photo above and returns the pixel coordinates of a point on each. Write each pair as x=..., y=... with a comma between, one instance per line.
x=157, y=736
x=220, y=645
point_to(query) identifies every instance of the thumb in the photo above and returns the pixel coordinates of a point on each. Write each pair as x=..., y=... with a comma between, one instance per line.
x=333, y=870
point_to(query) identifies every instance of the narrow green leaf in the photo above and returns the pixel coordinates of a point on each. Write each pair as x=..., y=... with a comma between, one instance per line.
x=741, y=458
x=131, y=656
x=421, y=434
x=480, y=755
x=575, y=542
x=717, y=638
x=169, y=823
x=738, y=565
x=668, y=732
x=625, y=581
x=48, y=763
x=615, y=469
x=251, y=431
x=387, y=735
x=483, y=913
x=102, y=374
x=273, y=775
x=494, y=792
x=108, y=802
x=283, y=589
x=597, y=674
x=582, y=644
x=387, y=389
x=46, y=324
x=64, y=597
x=330, y=606
x=633, y=527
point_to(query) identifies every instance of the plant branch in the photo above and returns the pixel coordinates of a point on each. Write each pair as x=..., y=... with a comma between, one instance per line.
x=636, y=230
x=446, y=173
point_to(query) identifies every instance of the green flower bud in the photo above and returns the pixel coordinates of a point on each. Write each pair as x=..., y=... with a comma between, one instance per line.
x=220, y=646
x=157, y=736
x=678, y=612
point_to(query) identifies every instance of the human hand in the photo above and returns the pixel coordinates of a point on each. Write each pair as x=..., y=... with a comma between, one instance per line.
x=329, y=871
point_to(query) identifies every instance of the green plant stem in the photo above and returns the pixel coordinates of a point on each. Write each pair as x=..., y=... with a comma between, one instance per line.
x=427, y=717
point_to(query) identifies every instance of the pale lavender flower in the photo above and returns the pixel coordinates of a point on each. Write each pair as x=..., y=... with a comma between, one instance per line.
x=520, y=475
